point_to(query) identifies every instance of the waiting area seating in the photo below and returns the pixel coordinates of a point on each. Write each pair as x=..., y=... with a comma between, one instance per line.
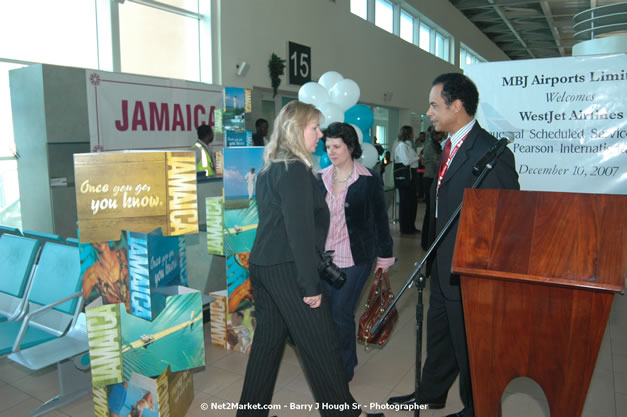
x=68, y=352
x=9, y=230
x=41, y=322
x=53, y=298
x=17, y=256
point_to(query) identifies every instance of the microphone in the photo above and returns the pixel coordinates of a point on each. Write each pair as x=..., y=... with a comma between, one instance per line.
x=492, y=154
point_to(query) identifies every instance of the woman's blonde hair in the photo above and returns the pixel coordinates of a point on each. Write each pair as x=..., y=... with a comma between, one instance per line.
x=287, y=143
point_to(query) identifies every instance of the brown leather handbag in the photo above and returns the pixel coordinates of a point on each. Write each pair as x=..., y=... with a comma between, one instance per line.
x=379, y=299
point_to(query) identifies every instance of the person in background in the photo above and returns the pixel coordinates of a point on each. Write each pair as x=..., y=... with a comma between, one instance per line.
x=359, y=231
x=453, y=103
x=204, y=162
x=377, y=145
x=261, y=131
x=408, y=202
x=293, y=225
x=418, y=145
x=431, y=155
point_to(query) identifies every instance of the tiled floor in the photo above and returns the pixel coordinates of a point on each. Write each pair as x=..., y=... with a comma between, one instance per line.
x=381, y=373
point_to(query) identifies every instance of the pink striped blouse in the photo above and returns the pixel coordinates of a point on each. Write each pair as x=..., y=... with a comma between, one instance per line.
x=337, y=239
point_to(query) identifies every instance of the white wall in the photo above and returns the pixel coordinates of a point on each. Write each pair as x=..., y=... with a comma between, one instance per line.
x=251, y=30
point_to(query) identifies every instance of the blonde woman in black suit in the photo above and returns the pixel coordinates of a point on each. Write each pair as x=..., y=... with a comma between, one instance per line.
x=293, y=224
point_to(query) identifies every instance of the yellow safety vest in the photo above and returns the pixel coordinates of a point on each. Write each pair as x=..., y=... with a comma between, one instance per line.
x=205, y=163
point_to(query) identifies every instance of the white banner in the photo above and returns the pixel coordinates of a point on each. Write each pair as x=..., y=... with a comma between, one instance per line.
x=567, y=116
x=136, y=112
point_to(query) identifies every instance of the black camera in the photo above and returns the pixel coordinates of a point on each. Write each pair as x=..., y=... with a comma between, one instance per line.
x=330, y=271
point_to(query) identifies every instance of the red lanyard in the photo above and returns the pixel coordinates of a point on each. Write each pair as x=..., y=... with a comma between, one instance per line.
x=448, y=161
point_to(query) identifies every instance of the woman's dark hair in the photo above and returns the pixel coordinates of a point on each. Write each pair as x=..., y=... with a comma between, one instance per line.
x=348, y=135
x=406, y=133
x=458, y=86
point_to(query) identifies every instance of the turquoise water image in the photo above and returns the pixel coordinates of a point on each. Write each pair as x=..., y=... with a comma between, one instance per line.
x=174, y=337
x=240, y=228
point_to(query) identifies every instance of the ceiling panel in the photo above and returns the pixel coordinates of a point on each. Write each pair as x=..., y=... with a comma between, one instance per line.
x=529, y=29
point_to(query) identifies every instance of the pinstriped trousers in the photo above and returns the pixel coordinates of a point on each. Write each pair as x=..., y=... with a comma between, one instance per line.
x=280, y=311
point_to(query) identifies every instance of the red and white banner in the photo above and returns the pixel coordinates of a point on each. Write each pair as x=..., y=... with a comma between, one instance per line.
x=567, y=116
x=137, y=112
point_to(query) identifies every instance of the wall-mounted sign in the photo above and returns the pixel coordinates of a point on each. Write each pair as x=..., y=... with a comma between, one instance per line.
x=569, y=125
x=299, y=58
x=135, y=191
x=137, y=112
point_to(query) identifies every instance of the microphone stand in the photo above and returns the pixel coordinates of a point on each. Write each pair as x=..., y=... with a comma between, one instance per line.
x=419, y=279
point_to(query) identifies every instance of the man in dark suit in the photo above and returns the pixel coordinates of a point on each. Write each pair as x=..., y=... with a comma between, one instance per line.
x=453, y=102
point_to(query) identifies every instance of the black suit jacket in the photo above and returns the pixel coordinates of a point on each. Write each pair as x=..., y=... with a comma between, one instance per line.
x=293, y=222
x=366, y=219
x=459, y=177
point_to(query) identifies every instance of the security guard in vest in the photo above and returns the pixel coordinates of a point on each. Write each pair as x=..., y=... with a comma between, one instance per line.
x=204, y=163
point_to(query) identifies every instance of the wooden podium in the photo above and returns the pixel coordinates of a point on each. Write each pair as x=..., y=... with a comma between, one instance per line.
x=538, y=275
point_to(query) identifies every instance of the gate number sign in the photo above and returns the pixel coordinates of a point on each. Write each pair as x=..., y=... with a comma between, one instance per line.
x=299, y=63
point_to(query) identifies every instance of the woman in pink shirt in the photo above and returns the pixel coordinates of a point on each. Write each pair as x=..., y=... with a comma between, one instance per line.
x=359, y=231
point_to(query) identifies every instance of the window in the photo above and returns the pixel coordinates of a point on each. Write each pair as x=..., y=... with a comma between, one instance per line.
x=9, y=188
x=191, y=5
x=384, y=15
x=168, y=38
x=360, y=8
x=401, y=19
x=381, y=136
x=7, y=146
x=155, y=42
x=385, y=124
x=425, y=37
x=407, y=27
x=50, y=32
x=468, y=57
x=442, y=47
x=435, y=41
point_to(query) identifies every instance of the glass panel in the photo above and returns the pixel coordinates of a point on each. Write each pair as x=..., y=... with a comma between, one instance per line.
x=381, y=136
x=407, y=27
x=7, y=144
x=191, y=5
x=154, y=42
x=360, y=8
x=10, y=214
x=439, y=45
x=447, y=54
x=267, y=110
x=425, y=37
x=52, y=32
x=384, y=15
x=381, y=123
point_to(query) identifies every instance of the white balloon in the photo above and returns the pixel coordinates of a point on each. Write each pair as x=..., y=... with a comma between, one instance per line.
x=329, y=78
x=332, y=113
x=313, y=93
x=345, y=93
x=360, y=134
x=369, y=155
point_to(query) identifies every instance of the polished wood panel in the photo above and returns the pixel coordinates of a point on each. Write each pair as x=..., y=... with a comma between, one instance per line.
x=547, y=333
x=538, y=276
x=554, y=238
